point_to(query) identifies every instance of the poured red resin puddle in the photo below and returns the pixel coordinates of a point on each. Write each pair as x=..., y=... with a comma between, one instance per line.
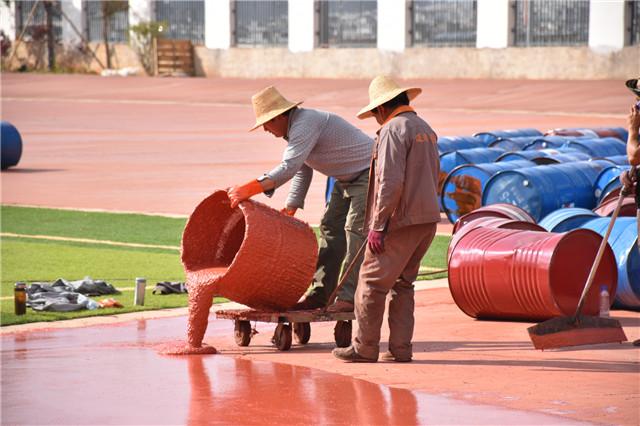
x=200, y=301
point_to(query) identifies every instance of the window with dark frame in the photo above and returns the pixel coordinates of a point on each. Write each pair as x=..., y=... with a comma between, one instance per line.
x=185, y=19
x=443, y=23
x=351, y=23
x=261, y=23
x=551, y=22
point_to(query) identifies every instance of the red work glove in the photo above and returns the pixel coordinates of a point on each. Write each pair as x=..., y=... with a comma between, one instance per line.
x=243, y=192
x=375, y=240
x=289, y=211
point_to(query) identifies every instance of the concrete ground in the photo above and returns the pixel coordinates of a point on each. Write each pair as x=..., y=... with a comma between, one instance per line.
x=161, y=145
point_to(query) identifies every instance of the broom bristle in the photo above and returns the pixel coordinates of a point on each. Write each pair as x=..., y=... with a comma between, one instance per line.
x=562, y=332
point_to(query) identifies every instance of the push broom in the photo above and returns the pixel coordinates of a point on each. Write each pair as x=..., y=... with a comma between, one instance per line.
x=578, y=329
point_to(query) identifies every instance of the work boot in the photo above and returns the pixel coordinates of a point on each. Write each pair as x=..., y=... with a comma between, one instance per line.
x=340, y=306
x=350, y=355
x=307, y=304
x=389, y=357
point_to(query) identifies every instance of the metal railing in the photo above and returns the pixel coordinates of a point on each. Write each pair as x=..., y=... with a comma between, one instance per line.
x=551, y=22
x=38, y=22
x=634, y=21
x=261, y=23
x=185, y=19
x=442, y=23
x=351, y=23
x=118, y=23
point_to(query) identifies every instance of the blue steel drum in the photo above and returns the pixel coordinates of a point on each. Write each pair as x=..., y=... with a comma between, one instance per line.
x=513, y=144
x=451, y=160
x=608, y=180
x=522, y=155
x=505, y=134
x=454, y=143
x=624, y=242
x=568, y=219
x=604, y=147
x=462, y=188
x=620, y=160
x=10, y=145
x=543, y=189
x=331, y=182
x=546, y=156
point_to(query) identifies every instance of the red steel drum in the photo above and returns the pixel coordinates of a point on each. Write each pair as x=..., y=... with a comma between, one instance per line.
x=506, y=211
x=528, y=275
x=270, y=257
x=491, y=222
x=628, y=207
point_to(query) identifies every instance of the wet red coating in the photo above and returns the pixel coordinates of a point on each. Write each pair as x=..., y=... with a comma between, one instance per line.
x=271, y=257
x=506, y=211
x=527, y=275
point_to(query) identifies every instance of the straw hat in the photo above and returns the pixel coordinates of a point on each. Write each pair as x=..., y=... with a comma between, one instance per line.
x=383, y=89
x=268, y=104
x=634, y=86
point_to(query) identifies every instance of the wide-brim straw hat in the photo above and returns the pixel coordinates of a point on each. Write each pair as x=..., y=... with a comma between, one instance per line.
x=382, y=89
x=633, y=86
x=268, y=104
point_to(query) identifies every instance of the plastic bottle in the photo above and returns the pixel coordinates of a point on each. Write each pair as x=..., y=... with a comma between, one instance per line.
x=20, y=298
x=604, y=301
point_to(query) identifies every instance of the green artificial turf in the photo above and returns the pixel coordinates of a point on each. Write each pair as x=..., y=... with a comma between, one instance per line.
x=25, y=259
x=127, y=228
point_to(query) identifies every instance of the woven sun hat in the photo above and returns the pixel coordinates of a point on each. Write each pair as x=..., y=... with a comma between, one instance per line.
x=268, y=104
x=383, y=89
x=634, y=86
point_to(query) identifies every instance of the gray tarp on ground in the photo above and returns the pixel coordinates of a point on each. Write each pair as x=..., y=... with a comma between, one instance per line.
x=65, y=296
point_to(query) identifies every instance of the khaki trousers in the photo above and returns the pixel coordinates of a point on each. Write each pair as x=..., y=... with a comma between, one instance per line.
x=394, y=270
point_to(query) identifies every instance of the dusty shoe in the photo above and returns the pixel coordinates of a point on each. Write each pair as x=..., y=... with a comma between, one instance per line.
x=341, y=306
x=388, y=356
x=350, y=355
x=307, y=304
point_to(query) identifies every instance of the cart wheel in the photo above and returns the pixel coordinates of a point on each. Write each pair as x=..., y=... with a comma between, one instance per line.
x=242, y=332
x=302, y=332
x=282, y=337
x=342, y=334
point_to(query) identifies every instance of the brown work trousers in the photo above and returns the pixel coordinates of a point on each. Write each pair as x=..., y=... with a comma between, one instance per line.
x=395, y=269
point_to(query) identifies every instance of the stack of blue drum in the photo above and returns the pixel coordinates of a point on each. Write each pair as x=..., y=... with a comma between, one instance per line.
x=539, y=173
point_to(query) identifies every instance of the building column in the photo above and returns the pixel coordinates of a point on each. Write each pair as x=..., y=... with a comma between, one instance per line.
x=217, y=24
x=607, y=25
x=8, y=19
x=140, y=11
x=73, y=11
x=494, y=24
x=392, y=25
x=301, y=25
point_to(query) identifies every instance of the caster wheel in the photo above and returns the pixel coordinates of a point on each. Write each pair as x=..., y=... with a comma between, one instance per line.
x=242, y=333
x=302, y=332
x=282, y=337
x=342, y=334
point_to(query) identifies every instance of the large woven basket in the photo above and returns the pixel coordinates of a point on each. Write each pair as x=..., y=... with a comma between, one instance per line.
x=267, y=258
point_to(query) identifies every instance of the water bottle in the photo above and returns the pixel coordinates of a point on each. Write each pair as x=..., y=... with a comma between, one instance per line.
x=604, y=302
x=138, y=292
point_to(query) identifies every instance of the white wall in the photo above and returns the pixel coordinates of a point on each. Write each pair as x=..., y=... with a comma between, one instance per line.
x=494, y=25
x=7, y=20
x=217, y=24
x=301, y=25
x=140, y=11
x=607, y=24
x=73, y=11
x=392, y=25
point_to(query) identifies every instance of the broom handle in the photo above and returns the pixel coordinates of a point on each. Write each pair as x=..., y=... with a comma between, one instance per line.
x=344, y=276
x=603, y=245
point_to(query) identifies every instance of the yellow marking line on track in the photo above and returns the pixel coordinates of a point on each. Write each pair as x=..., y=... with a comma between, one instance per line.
x=88, y=241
